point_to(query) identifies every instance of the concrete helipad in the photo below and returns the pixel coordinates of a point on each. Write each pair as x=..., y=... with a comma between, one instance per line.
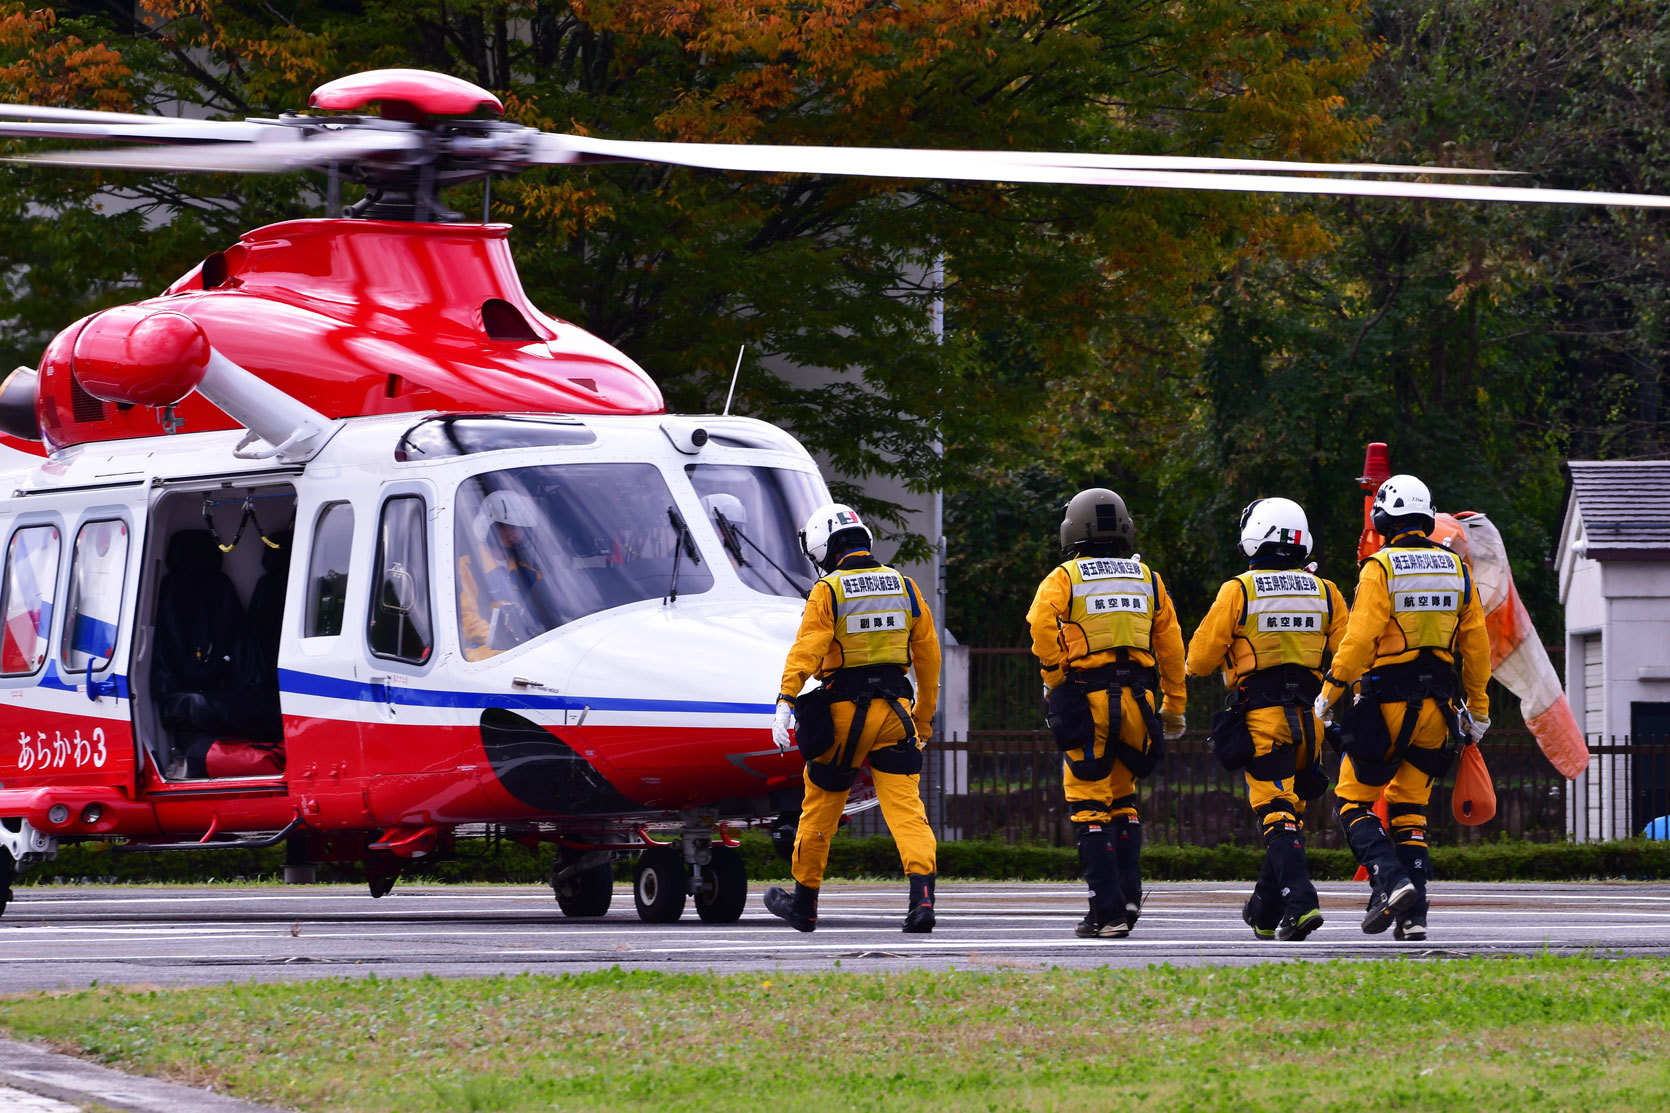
x=60, y=937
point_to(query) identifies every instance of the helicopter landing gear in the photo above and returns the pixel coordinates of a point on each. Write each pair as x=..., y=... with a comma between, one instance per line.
x=583, y=883
x=722, y=890
x=21, y=846
x=7, y=872
x=658, y=885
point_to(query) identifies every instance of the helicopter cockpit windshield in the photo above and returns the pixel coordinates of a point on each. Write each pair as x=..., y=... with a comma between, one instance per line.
x=757, y=513
x=538, y=547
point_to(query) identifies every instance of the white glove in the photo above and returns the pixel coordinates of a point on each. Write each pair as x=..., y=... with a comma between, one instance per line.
x=781, y=725
x=1171, y=725
x=1324, y=710
x=1476, y=728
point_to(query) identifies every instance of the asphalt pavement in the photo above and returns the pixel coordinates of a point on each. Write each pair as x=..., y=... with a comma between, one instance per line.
x=59, y=937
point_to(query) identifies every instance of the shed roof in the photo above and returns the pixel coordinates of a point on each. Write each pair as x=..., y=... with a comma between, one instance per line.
x=1625, y=505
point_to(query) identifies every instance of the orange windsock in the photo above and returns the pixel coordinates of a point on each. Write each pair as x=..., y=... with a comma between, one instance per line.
x=1473, y=800
x=1517, y=657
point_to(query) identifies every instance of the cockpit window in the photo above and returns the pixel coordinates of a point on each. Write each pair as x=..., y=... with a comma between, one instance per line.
x=465, y=435
x=539, y=547
x=757, y=513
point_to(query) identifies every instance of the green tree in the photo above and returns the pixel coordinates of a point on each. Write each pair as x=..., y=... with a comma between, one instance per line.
x=1046, y=286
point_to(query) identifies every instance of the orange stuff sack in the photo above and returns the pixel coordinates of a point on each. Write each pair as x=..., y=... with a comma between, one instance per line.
x=1474, y=799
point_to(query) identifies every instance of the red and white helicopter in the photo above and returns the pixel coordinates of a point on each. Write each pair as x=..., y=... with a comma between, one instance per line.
x=521, y=594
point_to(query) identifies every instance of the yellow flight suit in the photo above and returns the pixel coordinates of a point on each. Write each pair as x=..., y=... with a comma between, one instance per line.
x=1413, y=598
x=478, y=597
x=1380, y=634
x=1061, y=646
x=818, y=651
x=1229, y=638
x=1265, y=625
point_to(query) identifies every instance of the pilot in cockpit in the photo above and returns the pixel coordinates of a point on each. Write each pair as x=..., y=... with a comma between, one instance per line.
x=496, y=582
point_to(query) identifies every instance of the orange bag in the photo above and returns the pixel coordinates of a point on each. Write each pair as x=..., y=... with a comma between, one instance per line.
x=1474, y=799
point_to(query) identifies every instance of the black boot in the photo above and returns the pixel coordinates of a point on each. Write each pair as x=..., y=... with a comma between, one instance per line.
x=1284, y=851
x=1262, y=912
x=1127, y=858
x=1106, y=917
x=920, y=919
x=1392, y=893
x=1411, y=925
x=800, y=910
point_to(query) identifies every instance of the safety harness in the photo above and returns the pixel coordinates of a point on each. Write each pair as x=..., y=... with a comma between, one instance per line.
x=1293, y=688
x=1074, y=727
x=1363, y=734
x=860, y=687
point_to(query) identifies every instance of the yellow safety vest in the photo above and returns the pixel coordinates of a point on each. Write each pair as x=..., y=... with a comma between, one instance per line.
x=1112, y=607
x=873, y=617
x=1285, y=621
x=1427, y=588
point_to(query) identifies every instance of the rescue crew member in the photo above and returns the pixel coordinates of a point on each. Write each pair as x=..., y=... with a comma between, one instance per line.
x=1415, y=611
x=864, y=625
x=1268, y=630
x=1100, y=622
x=497, y=580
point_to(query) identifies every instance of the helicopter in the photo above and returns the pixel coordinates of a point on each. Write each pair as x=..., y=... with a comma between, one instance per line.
x=340, y=542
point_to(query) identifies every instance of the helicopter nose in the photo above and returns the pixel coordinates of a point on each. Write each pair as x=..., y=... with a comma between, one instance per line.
x=719, y=664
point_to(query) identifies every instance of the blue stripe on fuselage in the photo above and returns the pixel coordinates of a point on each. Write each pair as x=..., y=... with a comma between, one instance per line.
x=332, y=687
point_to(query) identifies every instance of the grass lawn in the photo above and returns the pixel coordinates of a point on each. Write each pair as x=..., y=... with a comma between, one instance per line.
x=1537, y=1035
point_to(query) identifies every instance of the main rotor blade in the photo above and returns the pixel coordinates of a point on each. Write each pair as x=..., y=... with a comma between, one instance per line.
x=997, y=167
x=916, y=162
x=161, y=131
x=247, y=158
x=83, y=115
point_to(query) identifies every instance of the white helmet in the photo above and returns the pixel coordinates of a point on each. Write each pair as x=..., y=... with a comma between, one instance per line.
x=506, y=508
x=826, y=522
x=1402, y=496
x=729, y=505
x=1274, y=522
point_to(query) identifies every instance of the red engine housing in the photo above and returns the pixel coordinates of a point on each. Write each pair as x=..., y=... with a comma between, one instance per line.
x=352, y=317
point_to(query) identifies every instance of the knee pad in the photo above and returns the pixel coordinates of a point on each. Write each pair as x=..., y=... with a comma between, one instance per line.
x=1278, y=818
x=1353, y=812
x=1084, y=812
x=1407, y=817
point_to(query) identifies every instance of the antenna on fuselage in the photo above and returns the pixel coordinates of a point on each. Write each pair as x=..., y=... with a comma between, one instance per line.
x=732, y=392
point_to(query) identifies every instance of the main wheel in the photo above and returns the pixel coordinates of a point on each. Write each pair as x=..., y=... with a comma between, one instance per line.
x=658, y=885
x=7, y=872
x=723, y=893
x=586, y=892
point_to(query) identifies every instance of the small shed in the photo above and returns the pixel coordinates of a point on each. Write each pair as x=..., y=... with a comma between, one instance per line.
x=1613, y=559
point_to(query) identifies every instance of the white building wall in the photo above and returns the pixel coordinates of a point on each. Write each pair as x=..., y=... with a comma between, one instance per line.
x=1626, y=605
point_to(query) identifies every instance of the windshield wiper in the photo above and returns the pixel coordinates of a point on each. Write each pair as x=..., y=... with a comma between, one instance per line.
x=730, y=532
x=683, y=542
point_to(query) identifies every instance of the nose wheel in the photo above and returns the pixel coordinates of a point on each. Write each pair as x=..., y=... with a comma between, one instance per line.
x=693, y=867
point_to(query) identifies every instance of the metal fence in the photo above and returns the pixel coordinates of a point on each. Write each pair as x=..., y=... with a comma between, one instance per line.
x=1003, y=779
x=1007, y=785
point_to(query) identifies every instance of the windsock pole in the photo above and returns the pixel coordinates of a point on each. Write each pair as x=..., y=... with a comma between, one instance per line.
x=1377, y=468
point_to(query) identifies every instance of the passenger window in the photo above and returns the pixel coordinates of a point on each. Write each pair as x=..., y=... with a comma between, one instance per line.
x=95, y=602
x=26, y=597
x=400, y=621
x=327, y=571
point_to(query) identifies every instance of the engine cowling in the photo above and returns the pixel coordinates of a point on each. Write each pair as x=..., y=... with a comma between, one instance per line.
x=139, y=356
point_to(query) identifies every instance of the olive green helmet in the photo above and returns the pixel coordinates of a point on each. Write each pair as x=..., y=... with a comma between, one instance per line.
x=1097, y=517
